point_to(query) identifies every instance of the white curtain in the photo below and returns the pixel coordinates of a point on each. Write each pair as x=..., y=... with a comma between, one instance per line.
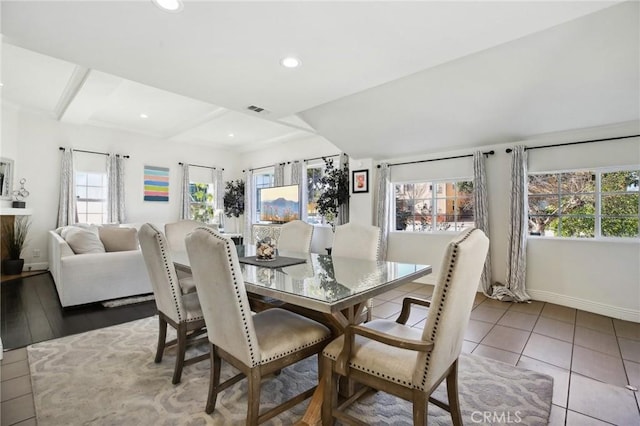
x=299, y=177
x=517, y=256
x=383, y=207
x=482, y=214
x=343, y=209
x=249, y=209
x=115, y=179
x=278, y=175
x=218, y=184
x=185, y=195
x=67, y=200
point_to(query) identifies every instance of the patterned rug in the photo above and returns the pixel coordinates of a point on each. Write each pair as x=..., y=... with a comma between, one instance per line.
x=108, y=377
x=127, y=301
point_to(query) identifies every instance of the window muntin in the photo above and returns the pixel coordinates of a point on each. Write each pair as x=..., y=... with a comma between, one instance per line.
x=584, y=204
x=434, y=206
x=91, y=197
x=202, y=201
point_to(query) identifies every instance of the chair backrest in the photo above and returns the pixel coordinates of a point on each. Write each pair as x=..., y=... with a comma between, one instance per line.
x=295, y=236
x=451, y=305
x=176, y=231
x=223, y=298
x=356, y=241
x=157, y=257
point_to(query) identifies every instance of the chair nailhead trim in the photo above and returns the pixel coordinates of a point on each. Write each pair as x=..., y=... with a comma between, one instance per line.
x=167, y=266
x=293, y=350
x=447, y=283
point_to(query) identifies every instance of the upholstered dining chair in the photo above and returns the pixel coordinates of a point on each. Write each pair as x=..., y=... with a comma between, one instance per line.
x=409, y=363
x=181, y=311
x=175, y=233
x=256, y=345
x=358, y=242
x=295, y=236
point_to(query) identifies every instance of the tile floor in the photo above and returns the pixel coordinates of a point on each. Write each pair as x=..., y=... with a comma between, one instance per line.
x=591, y=357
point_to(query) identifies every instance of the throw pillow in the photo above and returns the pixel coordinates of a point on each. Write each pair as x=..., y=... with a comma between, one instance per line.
x=119, y=239
x=83, y=240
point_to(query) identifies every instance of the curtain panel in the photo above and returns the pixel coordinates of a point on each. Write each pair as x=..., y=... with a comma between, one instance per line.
x=343, y=210
x=482, y=214
x=115, y=189
x=67, y=197
x=249, y=203
x=185, y=195
x=383, y=196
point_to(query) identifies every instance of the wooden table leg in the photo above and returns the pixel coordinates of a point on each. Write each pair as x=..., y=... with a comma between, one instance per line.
x=312, y=416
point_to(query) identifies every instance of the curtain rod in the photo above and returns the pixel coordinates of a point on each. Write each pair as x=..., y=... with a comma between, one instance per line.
x=438, y=159
x=94, y=152
x=508, y=150
x=204, y=167
x=289, y=162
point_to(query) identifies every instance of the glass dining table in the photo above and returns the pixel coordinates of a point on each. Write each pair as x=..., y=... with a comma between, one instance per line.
x=333, y=290
x=336, y=288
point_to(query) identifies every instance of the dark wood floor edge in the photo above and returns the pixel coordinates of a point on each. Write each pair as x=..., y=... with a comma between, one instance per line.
x=9, y=278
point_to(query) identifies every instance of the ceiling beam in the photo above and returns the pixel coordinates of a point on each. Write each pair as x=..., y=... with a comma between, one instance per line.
x=196, y=122
x=75, y=83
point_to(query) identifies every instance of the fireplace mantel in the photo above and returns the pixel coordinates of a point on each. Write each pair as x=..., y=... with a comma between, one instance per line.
x=9, y=211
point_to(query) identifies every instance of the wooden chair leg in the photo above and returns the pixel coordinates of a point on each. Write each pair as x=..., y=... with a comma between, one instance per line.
x=253, y=411
x=162, y=338
x=330, y=399
x=214, y=379
x=181, y=349
x=452, y=393
x=420, y=408
x=369, y=310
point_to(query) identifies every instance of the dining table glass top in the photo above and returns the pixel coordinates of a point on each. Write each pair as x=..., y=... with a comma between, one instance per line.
x=323, y=283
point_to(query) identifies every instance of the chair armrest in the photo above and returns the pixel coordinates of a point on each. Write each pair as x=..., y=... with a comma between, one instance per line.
x=350, y=332
x=406, y=308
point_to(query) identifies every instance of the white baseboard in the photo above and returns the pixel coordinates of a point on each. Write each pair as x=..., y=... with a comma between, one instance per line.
x=40, y=266
x=586, y=305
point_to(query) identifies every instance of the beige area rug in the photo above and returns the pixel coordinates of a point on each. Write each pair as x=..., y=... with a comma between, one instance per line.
x=108, y=377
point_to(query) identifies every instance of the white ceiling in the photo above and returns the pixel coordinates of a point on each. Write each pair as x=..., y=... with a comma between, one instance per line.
x=378, y=79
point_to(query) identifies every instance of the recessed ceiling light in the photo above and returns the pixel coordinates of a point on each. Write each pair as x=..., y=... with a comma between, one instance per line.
x=290, y=62
x=143, y=115
x=231, y=135
x=169, y=5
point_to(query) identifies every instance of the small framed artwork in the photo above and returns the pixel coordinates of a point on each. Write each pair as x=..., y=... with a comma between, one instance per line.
x=156, y=183
x=360, y=181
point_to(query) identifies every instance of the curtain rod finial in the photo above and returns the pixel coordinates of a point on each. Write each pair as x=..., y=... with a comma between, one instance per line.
x=508, y=150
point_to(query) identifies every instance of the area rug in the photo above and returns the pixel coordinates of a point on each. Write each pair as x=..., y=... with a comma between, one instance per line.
x=127, y=301
x=108, y=377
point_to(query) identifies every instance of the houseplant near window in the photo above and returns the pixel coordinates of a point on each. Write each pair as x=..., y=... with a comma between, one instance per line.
x=14, y=238
x=334, y=192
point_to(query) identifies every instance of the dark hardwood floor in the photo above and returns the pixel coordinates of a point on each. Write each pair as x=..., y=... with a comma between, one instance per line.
x=31, y=312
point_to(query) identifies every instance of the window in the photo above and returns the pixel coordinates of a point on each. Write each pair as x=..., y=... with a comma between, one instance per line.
x=91, y=197
x=314, y=174
x=201, y=204
x=262, y=180
x=420, y=208
x=584, y=204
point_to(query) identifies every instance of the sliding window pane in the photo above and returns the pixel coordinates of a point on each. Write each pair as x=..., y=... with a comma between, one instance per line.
x=543, y=184
x=577, y=227
x=577, y=182
x=543, y=225
x=622, y=181
x=543, y=204
x=623, y=204
x=578, y=204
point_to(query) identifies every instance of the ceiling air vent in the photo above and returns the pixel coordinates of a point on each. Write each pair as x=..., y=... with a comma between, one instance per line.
x=258, y=109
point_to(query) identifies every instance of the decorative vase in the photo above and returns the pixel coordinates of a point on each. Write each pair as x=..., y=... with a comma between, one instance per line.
x=266, y=249
x=12, y=266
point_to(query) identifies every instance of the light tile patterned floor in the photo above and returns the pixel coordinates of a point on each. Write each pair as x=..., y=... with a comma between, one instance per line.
x=591, y=357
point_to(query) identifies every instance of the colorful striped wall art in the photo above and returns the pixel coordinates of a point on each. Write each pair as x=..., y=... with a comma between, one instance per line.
x=156, y=183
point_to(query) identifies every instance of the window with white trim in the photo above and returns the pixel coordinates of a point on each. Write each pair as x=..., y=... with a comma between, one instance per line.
x=261, y=180
x=434, y=206
x=202, y=202
x=91, y=197
x=596, y=203
x=314, y=187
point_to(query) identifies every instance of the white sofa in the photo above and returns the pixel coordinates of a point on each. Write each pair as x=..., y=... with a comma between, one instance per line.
x=93, y=277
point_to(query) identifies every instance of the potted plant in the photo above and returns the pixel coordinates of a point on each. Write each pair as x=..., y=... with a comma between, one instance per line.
x=334, y=191
x=14, y=237
x=234, y=198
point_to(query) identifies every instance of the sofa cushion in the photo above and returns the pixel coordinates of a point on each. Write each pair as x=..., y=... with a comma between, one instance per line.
x=83, y=240
x=118, y=239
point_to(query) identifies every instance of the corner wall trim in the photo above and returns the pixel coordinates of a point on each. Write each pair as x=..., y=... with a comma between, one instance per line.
x=626, y=314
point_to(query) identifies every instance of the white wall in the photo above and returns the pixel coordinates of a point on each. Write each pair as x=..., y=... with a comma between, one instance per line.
x=33, y=141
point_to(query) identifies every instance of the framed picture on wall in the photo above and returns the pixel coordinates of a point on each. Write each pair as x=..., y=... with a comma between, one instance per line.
x=360, y=181
x=156, y=183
